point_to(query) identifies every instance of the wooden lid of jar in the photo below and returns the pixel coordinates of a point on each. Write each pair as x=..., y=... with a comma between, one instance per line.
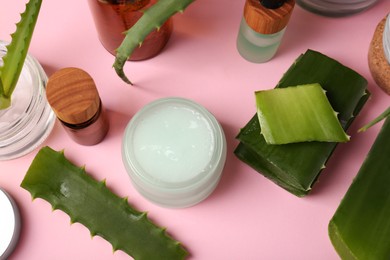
x=72, y=94
x=267, y=21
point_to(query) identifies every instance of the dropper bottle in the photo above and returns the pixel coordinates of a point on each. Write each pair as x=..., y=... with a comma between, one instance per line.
x=262, y=28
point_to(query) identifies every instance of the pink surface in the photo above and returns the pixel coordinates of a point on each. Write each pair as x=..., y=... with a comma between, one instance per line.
x=247, y=217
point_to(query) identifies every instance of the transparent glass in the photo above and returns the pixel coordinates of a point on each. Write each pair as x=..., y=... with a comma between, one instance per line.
x=29, y=120
x=336, y=7
x=256, y=47
x=174, y=151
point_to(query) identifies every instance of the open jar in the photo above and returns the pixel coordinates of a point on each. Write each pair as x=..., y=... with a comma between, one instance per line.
x=174, y=151
x=29, y=120
x=114, y=17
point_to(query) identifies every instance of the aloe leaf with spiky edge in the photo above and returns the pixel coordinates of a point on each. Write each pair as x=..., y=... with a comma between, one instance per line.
x=89, y=202
x=13, y=60
x=153, y=18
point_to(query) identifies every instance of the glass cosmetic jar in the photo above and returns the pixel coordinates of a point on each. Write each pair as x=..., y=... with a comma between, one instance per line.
x=29, y=120
x=336, y=7
x=174, y=151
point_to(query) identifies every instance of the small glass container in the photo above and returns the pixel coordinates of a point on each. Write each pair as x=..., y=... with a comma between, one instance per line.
x=174, y=151
x=262, y=28
x=114, y=17
x=29, y=120
x=73, y=95
x=379, y=55
x=9, y=224
x=336, y=8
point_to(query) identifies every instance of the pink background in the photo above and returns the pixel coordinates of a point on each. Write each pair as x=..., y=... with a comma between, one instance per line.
x=247, y=217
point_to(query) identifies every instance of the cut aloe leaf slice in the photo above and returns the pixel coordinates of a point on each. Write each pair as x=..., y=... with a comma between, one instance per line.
x=360, y=227
x=296, y=166
x=298, y=114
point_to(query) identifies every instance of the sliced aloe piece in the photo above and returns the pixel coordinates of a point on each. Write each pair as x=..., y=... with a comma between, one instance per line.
x=360, y=228
x=298, y=114
x=296, y=166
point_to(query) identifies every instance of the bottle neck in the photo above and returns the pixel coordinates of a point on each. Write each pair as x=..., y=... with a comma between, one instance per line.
x=386, y=39
x=272, y=4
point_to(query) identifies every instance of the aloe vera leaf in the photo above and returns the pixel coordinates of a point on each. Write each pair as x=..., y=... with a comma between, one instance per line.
x=17, y=50
x=376, y=120
x=296, y=166
x=298, y=114
x=153, y=18
x=69, y=188
x=360, y=227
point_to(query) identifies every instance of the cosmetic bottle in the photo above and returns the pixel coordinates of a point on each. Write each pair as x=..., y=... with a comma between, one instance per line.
x=262, y=28
x=114, y=17
x=379, y=55
x=74, y=98
x=336, y=8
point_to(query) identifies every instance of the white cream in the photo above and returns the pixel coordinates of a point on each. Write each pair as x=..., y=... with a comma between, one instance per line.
x=173, y=143
x=174, y=151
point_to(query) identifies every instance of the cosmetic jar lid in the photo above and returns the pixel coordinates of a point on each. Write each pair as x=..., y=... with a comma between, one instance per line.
x=9, y=224
x=72, y=94
x=174, y=151
x=265, y=20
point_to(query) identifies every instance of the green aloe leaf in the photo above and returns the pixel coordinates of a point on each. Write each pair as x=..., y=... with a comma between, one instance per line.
x=298, y=114
x=17, y=50
x=360, y=227
x=296, y=166
x=382, y=116
x=69, y=188
x=153, y=18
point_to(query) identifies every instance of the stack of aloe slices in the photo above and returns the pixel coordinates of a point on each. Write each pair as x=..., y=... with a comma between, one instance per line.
x=296, y=166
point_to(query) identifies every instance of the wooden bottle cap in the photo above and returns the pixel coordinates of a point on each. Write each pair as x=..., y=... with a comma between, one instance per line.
x=72, y=94
x=267, y=21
